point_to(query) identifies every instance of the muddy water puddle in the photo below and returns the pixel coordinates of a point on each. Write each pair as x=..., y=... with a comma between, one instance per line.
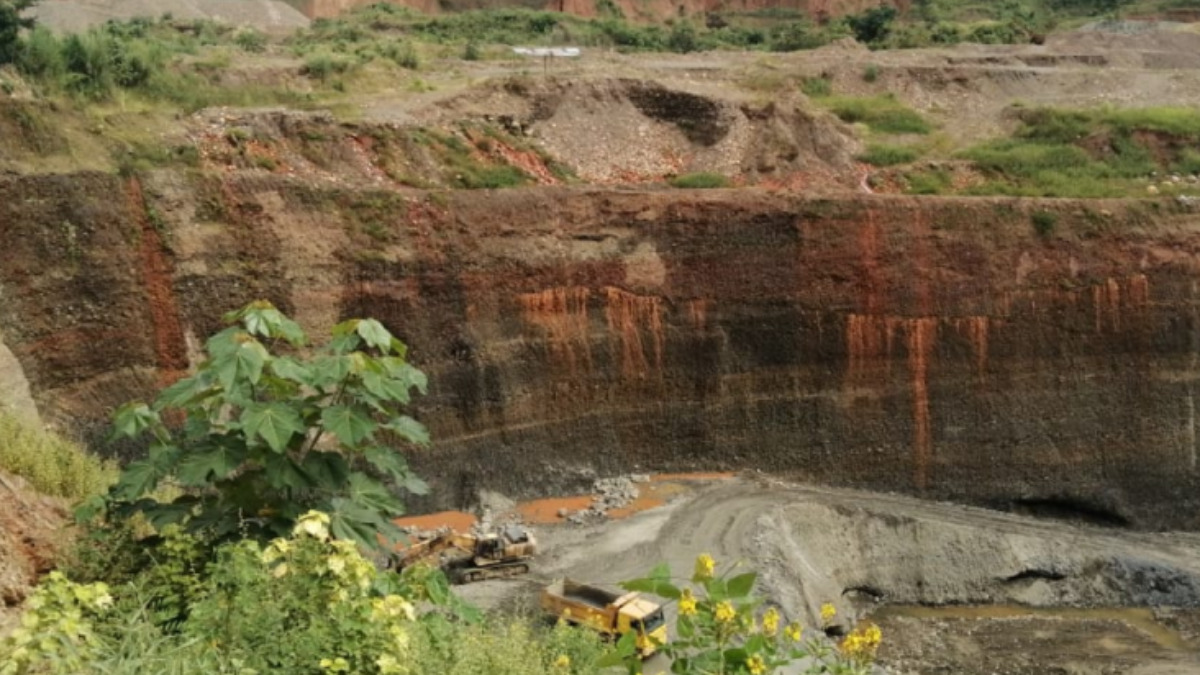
x=1014, y=639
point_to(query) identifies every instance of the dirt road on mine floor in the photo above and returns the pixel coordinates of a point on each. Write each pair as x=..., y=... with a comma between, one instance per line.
x=864, y=551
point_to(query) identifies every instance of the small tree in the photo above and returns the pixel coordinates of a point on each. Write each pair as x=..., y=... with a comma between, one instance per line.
x=264, y=437
x=11, y=23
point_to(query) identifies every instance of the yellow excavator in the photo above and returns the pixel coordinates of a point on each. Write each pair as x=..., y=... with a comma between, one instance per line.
x=466, y=558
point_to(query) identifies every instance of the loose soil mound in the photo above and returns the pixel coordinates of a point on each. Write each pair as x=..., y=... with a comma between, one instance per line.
x=30, y=537
x=627, y=131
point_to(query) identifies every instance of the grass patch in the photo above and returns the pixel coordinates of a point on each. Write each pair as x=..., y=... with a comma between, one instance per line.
x=889, y=155
x=700, y=180
x=52, y=464
x=816, y=87
x=930, y=182
x=884, y=114
x=1088, y=153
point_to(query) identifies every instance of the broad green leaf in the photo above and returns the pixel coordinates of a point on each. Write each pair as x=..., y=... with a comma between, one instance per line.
x=290, y=330
x=374, y=334
x=133, y=418
x=137, y=479
x=330, y=370
x=349, y=423
x=161, y=515
x=369, y=493
x=164, y=457
x=251, y=357
x=409, y=429
x=225, y=343
x=291, y=369
x=344, y=344
x=741, y=585
x=412, y=377
x=326, y=470
x=387, y=460
x=399, y=348
x=182, y=393
x=414, y=485
x=201, y=466
x=276, y=423
x=282, y=472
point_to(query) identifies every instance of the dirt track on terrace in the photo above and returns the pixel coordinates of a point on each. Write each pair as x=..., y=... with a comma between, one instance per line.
x=864, y=550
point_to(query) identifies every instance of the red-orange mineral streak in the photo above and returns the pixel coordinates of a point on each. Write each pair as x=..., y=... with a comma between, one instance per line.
x=563, y=313
x=921, y=335
x=698, y=314
x=170, y=348
x=629, y=315
x=868, y=247
x=1114, y=297
x=976, y=329
x=869, y=341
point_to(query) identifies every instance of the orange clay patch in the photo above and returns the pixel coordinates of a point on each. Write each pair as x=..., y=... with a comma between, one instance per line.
x=699, y=475
x=455, y=520
x=546, y=510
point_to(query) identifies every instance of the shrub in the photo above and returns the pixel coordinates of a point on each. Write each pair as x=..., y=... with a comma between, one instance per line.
x=1044, y=222
x=323, y=65
x=722, y=629
x=492, y=177
x=271, y=435
x=52, y=464
x=889, y=155
x=250, y=40
x=934, y=182
x=700, y=180
x=816, y=87
x=872, y=26
x=870, y=73
x=881, y=113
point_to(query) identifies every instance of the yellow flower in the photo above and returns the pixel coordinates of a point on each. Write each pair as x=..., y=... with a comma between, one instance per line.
x=828, y=611
x=793, y=632
x=705, y=567
x=725, y=612
x=770, y=621
x=687, y=603
x=861, y=643
x=314, y=523
x=338, y=665
x=563, y=661
x=756, y=665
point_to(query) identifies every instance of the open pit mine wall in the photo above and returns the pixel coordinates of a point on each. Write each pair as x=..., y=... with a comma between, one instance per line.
x=938, y=347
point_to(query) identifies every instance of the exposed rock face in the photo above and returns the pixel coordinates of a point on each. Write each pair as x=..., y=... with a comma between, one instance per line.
x=644, y=10
x=932, y=346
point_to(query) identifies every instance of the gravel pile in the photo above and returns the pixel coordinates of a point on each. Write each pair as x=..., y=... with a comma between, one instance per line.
x=610, y=493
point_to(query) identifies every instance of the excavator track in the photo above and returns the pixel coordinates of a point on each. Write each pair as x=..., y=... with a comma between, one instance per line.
x=502, y=571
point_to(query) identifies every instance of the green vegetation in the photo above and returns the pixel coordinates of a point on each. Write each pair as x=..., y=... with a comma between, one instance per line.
x=884, y=114
x=928, y=182
x=700, y=180
x=816, y=87
x=889, y=155
x=11, y=24
x=1087, y=153
x=52, y=464
x=238, y=579
x=269, y=435
x=722, y=628
x=1043, y=223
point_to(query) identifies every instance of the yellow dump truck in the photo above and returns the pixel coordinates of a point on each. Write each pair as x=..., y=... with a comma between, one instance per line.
x=612, y=614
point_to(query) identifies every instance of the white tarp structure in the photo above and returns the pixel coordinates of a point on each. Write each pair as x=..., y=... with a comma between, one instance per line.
x=569, y=52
